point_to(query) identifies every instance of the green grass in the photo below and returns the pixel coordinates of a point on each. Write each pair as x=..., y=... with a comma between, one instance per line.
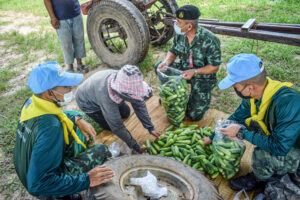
x=281, y=61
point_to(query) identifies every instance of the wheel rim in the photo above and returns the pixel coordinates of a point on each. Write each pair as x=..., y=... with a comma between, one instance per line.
x=154, y=16
x=113, y=35
x=177, y=186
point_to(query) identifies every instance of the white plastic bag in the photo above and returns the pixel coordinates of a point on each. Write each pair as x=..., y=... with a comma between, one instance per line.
x=238, y=195
x=149, y=186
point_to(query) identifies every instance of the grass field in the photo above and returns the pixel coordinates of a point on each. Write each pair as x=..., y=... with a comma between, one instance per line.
x=20, y=51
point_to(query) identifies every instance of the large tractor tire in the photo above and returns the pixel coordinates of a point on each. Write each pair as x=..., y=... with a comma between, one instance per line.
x=182, y=181
x=154, y=15
x=117, y=32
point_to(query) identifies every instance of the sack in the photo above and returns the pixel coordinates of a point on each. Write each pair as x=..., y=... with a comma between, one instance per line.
x=174, y=93
x=228, y=151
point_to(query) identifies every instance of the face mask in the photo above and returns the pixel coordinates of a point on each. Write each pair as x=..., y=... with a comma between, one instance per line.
x=67, y=99
x=239, y=93
x=177, y=29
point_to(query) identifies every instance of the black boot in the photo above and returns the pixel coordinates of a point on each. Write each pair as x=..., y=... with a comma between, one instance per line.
x=72, y=197
x=247, y=182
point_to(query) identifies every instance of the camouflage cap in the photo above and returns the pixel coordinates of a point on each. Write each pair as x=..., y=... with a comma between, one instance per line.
x=188, y=12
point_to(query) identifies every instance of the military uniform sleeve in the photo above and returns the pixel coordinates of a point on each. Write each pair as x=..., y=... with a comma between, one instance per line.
x=173, y=47
x=42, y=176
x=214, y=52
x=286, y=131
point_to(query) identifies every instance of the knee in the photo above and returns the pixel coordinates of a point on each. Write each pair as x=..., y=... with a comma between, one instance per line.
x=124, y=110
x=102, y=149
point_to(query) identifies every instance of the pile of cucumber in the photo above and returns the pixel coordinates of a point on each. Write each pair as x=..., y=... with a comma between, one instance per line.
x=185, y=144
x=228, y=154
x=174, y=94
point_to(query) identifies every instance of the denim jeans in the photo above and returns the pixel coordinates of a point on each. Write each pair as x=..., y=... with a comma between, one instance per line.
x=71, y=36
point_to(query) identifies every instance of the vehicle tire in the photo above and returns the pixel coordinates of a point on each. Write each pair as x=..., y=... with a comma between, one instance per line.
x=112, y=18
x=159, y=32
x=203, y=189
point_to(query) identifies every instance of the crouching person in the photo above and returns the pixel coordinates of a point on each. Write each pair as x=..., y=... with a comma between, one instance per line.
x=44, y=155
x=103, y=96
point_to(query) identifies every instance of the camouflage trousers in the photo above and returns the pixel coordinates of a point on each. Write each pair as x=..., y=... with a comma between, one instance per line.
x=265, y=165
x=75, y=163
x=200, y=96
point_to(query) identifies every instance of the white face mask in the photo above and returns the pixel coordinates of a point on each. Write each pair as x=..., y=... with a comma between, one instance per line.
x=178, y=30
x=67, y=98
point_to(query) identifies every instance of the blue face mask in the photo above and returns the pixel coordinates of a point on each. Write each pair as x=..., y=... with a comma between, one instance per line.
x=177, y=29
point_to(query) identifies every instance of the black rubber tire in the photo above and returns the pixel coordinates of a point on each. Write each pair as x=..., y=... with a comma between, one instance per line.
x=203, y=188
x=134, y=24
x=168, y=5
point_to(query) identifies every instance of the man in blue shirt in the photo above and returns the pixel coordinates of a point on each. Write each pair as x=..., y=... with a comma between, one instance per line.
x=66, y=18
x=271, y=112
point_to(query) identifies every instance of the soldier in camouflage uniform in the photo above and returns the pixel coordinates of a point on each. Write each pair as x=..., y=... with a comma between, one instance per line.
x=44, y=153
x=199, y=52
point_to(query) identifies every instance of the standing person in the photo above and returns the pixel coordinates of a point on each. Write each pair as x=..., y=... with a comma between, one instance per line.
x=199, y=53
x=271, y=112
x=102, y=97
x=44, y=156
x=66, y=18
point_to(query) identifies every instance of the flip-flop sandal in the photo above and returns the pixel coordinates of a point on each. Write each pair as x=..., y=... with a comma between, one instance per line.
x=83, y=69
x=70, y=70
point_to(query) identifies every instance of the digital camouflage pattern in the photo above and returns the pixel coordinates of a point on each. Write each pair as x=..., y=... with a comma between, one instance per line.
x=265, y=165
x=205, y=49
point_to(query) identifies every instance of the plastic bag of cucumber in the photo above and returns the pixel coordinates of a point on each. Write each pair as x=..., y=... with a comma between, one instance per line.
x=174, y=94
x=185, y=144
x=228, y=151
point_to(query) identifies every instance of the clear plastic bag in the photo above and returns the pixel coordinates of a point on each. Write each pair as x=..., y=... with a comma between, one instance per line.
x=174, y=93
x=228, y=151
x=149, y=186
x=119, y=148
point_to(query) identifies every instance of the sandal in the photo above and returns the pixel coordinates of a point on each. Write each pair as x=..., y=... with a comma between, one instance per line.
x=82, y=69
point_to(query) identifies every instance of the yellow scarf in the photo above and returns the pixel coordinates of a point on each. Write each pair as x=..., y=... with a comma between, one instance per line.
x=271, y=88
x=39, y=106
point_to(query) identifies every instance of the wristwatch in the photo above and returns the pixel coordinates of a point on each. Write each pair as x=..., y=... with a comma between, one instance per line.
x=78, y=117
x=196, y=72
x=240, y=134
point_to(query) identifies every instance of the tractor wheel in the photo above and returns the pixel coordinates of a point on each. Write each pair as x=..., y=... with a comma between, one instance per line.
x=154, y=15
x=117, y=32
x=182, y=181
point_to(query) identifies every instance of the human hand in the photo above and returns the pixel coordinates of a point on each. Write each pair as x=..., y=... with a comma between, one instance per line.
x=231, y=130
x=99, y=175
x=85, y=128
x=206, y=141
x=162, y=67
x=55, y=23
x=156, y=133
x=188, y=74
x=143, y=149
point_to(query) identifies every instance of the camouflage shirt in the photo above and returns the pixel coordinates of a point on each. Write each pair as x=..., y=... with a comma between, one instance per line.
x=205, y=49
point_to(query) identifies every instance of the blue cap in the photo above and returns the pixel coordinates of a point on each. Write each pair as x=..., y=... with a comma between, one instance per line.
x=240, y=68
x=48, y=75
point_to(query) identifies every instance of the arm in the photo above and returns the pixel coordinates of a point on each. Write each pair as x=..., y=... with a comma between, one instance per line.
x=213, y=59
x=168, y=60
x=54, y=21
x=113, y=118
x=141, y=112
x=43, y=177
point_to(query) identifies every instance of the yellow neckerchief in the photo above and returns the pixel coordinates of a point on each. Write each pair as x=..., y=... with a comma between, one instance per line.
x=271, y=88
x=39, y=106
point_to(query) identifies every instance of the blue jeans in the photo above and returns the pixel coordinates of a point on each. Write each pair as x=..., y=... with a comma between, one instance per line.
x=71, y=36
